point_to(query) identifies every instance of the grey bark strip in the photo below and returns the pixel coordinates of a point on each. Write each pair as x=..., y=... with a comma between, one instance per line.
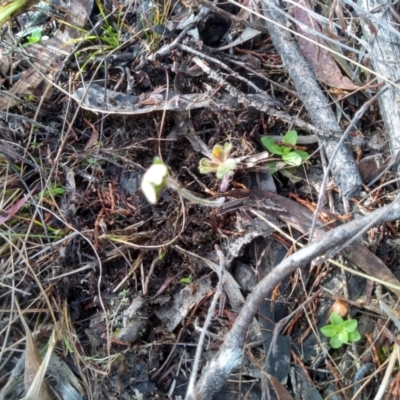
x=385, y=53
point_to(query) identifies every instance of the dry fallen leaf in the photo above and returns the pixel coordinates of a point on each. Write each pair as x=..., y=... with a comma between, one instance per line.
x=321, y=61
x=280, y=391
x=33, y=380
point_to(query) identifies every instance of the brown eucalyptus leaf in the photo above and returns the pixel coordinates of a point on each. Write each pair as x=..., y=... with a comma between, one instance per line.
x=33, y=366
x=280, y=390
x=320, y=60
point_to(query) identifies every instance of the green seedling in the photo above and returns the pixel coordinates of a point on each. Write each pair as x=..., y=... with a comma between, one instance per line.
x=156, y=178
x=286, y=150
x=34, y=37
x=341, y=331
x=123, y=293
x=110, y=35
x=219, y=161
x=186, y=280
x=52, y=192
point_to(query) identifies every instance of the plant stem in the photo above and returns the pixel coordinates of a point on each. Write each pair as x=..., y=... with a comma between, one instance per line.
x=171, y=183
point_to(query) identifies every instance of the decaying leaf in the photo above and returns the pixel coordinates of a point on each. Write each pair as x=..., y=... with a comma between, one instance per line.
x=279, y=389
x=32, y=366
x=321, y=61
x=38, y=389
x=48, y=57
x=35, y=368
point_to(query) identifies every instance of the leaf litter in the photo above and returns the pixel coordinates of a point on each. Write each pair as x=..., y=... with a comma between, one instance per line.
x=110, y=263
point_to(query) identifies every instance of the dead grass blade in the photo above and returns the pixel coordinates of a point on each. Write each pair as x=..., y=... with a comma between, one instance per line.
x=35, y=368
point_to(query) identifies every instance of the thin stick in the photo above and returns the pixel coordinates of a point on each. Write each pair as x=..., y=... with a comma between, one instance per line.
x=190, y=394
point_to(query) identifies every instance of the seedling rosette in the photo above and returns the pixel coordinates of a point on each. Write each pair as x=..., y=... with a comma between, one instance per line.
x=341, y=331
x=291, y=156
x=220, y=163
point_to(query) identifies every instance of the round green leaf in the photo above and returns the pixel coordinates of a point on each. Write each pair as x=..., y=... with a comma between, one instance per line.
x=292, y=159
x=335, y=343
x=271, y=146
x=343, y=336
x=267, y=141
x=354, y=336
x=275, y=149
x=290, y=138
x=350, y=325
x=329, y=330
x=303, y=154
x=336, y=319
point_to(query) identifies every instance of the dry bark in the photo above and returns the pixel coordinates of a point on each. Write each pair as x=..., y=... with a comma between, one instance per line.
x=385, y=53
x=344, y=170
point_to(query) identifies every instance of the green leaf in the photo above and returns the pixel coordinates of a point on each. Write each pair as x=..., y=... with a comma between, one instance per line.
x=227, y=150
x=290, y=138
x=267, y=141
x=226, y=167
x=206, y=166
x=335, y=343
x=275, y=149
x=292, y=159
x=59, y=191
x=303, y=154
x=354, y=336
x=350, y=325
x=286, y=150
x=336, y=319
x=343, y=336
x=271, y=146
x=272, y=168
x=329, y=330
x=186, y=280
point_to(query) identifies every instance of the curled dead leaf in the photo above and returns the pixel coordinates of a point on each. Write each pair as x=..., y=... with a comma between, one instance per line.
x=320, y=60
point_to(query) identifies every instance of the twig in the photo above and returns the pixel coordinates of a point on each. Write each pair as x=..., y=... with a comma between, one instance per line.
x=388, y=372
x=190, y=394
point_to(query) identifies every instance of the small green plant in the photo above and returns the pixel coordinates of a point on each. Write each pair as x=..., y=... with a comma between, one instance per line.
x=286, y=150
x=52, y=191
x=219, y=162
x=123, y=293
x=186, y=280
x=156, y=178
x=341, y=331
x=34, y=37
x=110, y=35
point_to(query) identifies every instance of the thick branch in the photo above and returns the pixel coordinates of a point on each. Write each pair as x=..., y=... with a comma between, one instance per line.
x=229, y=356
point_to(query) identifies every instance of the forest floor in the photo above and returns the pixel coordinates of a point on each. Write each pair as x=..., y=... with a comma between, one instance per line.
x=256, y=258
